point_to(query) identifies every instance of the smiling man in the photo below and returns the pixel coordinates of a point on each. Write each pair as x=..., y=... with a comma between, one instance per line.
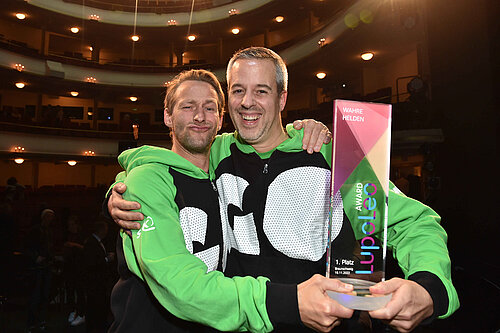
x=275, y=200
x=170, y=269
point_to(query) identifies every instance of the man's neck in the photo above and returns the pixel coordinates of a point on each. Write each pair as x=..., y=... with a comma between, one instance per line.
x=201, y=160
x=271, y=143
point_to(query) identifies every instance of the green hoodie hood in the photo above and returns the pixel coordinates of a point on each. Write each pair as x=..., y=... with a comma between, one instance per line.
x=132, y=158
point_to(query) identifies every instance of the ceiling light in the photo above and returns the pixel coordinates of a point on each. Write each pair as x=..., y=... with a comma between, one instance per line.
x=89, y=153
x=21, y=16
x=321, y=42
x=233, y=11
x=135, y=38
x=19, y=160
x=74, y=93
x=91, y=48
x=20, y=85
x=90, y=79
x=367, y=56
x=172, y=22
x=19, y=149
x=74, y=30
x=235, y=31
x=19, y=67
x=279, y=18
x=321, y=75
x=72, y=163
x=191, y=38
x=94, y=17
x=133, y=98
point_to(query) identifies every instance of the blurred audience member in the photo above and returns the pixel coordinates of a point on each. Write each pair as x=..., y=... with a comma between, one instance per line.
x=14, y=191
x=97, y=278
x=40, y=248
x=73, y=272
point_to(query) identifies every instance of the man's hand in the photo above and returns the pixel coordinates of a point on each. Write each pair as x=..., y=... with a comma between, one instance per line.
x=120, y=209
x=315, y=134
x=410, y=304
x=317, y=310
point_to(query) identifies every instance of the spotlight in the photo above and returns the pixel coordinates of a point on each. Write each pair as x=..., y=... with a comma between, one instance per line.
x=135, y=38
x=321, y=75
x=172, y=22
x=321, y=42
x=133, y=98
x=74, y=30
x=90, y=79
x=21, y=16
x=19, y=160
x=279, y=18
x=72, y=163
x=94, y=17
x=19, y=149
x=74, y=93
x=233, y=11
x=191, y=38
x=235, y=31
x=20, y=85
x=367, y=56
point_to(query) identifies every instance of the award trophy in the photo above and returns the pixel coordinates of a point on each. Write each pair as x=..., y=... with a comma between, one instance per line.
x=357, y=230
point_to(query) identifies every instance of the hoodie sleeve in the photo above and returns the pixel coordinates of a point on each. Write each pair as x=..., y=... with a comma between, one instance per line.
x=179, y=280
x=418, y=243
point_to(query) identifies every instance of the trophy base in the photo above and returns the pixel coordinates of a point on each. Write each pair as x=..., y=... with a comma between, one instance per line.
x=361, y=299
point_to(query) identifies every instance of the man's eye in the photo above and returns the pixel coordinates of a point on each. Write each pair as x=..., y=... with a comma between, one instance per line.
x=237, y=91
x=186, y=107
x=210, y=109
x=261, y=92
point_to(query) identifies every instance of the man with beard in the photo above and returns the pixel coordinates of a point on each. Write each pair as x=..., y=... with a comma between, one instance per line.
x=264, y=177
x=170, y=269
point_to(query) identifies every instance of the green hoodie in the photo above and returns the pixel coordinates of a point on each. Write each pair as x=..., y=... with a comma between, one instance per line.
x=160, y=253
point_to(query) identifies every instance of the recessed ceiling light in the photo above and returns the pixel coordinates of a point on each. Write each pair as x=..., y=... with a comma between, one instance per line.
x=367, y=56
x=235, y=31
x=72, y=163
x=19, y=160
x=74, y=93
x=279, y=18
x=74, y=30
x=133, y=98
x=19, y=67
x=321, y=75
x=21, y=16
x=191, y=38
x=20, y=85
x=135, y=38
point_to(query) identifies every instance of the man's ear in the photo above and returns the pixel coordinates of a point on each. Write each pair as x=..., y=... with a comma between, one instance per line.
x=167, y=118
x=283, y=96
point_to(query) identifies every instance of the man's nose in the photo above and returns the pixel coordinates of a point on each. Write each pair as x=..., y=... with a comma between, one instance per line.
x=247, y=101
x=199, y=114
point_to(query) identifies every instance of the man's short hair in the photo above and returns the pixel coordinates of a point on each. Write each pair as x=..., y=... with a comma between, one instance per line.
x=193, y=75
x=257, y=52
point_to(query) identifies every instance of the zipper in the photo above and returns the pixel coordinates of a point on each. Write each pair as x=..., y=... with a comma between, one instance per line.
x=213, y=186
x=265, y=171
